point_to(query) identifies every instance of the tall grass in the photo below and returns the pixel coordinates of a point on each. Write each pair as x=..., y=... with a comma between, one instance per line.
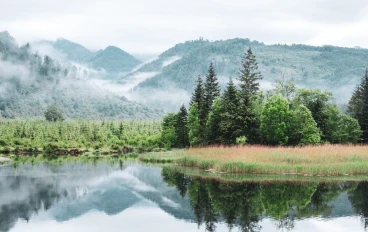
x=309, y=160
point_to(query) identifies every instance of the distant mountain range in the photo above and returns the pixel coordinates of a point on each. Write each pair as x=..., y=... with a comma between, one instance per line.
x=111, y=59
x=168, y=80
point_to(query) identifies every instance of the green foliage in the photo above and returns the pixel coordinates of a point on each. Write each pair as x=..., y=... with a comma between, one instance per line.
x=358, y=106
x=53, y=113
x=181, y=128
x=211, y=90
x=231, y=123
x=213, y=129
x=79, y=134
x=194, y=125
x=242, y=140
x=342, y=128
x=275, y=120
x=249, y=88
x=303, y=129
x=316, y=101
x=169, y=137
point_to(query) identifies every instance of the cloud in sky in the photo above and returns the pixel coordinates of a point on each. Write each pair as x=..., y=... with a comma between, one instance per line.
x=146, y=26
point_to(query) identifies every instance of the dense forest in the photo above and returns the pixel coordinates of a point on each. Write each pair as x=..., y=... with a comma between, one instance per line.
x=30, y=82
x=285, y=115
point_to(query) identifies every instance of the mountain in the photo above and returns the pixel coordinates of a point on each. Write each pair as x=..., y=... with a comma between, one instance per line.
x=112, y=59
x=74, y=51
x=29, y=83
x=336, y=69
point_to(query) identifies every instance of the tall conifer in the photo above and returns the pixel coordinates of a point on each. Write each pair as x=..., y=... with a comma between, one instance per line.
x=211, y=89
x=230, y=120
x=198, y=97
x=182, y=131
x=249, y=88
x=358, y=106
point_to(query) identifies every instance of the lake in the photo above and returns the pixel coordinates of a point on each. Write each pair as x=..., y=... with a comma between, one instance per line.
x=129, y=196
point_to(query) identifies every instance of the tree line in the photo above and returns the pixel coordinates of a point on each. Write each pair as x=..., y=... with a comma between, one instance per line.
x=285, y=115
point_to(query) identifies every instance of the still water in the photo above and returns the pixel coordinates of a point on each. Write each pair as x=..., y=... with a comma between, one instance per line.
x=135, y=197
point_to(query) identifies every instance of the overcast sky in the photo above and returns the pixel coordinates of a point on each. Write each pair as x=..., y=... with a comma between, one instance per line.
x=152, y=26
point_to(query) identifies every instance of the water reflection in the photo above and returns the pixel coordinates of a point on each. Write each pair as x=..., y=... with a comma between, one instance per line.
x=246, y=204
x=135, y=197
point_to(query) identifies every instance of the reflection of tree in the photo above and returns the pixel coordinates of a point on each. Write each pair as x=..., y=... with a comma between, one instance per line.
x=177, y=179
x=278, y=199
x=318, y=205
x=244, y=204
x=359, y=200
x=202, y=203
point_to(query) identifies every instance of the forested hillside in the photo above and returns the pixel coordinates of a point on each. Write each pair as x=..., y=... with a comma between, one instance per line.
x=330, y=68
x=30, y=82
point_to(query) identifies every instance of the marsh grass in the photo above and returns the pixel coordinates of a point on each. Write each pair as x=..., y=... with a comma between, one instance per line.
x=325, y=160
x=162, y=157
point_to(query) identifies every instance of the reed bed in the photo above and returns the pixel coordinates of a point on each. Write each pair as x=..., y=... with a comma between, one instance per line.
x=326, y=160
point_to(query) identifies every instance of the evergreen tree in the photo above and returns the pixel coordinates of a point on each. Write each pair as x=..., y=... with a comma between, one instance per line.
x=199, y=98
x=211, y=89
x=358, y=106
x=230, y=120
x=182, y=132
x=198, y=94
x=194, y=125
x=249, y=88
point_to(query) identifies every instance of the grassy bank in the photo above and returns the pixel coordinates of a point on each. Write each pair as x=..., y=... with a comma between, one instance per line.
x=326, y=160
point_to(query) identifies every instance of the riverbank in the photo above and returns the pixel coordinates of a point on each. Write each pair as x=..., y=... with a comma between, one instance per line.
x=324, y=160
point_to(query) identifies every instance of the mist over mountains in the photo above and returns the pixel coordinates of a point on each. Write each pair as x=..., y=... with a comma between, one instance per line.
x=335, y=69
x=30, y=82
x=108, y=82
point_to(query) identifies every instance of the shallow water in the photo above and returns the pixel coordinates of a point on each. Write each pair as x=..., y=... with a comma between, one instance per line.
x=135, y=197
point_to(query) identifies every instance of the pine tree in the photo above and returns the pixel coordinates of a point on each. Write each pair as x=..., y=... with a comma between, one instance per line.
x=230, y=120
x=194, y=125
x=249, y=88
x=182, y=131
x=198, y=97
x=211, y=89
x=358, y=106
x=198, y=94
